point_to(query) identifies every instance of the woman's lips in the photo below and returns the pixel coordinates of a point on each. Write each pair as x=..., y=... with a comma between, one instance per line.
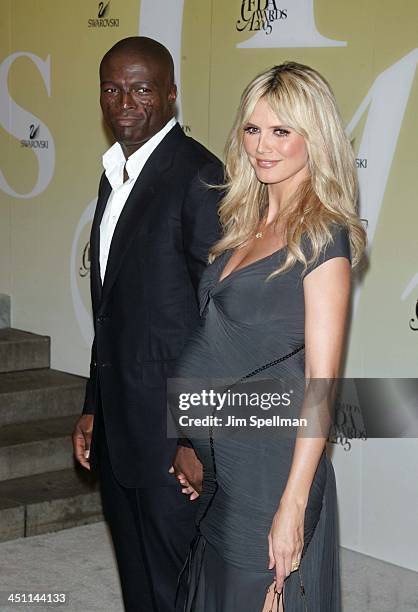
x=267, y=163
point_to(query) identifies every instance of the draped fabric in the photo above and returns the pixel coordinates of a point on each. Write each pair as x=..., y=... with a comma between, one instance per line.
x=248, y=321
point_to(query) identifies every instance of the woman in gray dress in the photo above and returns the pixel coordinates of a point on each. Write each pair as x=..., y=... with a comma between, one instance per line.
x=274, y=304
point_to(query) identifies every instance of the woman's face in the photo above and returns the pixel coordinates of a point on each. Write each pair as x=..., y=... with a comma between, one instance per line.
x=277, y=153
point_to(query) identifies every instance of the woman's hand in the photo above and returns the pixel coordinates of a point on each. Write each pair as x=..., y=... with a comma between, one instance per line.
x=286, y=539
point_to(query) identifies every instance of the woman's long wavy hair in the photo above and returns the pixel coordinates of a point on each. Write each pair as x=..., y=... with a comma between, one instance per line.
x=304, y=101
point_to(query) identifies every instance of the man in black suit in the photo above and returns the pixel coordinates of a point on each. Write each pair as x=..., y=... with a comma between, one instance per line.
x=154, y=223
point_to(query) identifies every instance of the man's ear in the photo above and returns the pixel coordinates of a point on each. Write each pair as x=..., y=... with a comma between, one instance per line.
x=172, y=96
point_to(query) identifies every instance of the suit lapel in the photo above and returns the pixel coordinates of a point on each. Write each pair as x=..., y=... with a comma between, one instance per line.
x=96, y=281
x=137, y=204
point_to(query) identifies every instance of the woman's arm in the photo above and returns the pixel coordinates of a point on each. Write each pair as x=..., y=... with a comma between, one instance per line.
x=326, y=291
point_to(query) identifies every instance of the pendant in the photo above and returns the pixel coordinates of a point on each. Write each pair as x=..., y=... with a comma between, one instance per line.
x=259, y=235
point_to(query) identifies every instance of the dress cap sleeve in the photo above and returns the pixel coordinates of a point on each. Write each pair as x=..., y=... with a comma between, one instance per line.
x=339, y=246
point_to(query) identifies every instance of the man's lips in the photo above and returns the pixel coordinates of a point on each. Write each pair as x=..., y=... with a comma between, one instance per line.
x=127, y=121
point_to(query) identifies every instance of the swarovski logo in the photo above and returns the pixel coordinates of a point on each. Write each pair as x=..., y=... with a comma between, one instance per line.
x=361, y=163
x=102, y=21
x=32, y=142
x=33, y=131
x=103, y=8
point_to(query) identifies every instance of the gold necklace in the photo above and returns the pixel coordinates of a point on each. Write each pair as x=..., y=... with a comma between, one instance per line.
x=261, y=233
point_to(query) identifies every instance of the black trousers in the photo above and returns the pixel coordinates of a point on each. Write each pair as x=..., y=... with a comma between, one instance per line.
x=151, y=531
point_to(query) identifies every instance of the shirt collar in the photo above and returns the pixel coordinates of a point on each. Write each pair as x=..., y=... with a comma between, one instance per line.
x=114, y=159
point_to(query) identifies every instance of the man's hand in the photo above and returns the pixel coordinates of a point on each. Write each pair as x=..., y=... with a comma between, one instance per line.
x=188, y=471
x=82, y=439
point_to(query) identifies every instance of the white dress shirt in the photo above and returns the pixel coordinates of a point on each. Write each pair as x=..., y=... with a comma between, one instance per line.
x=114, y=162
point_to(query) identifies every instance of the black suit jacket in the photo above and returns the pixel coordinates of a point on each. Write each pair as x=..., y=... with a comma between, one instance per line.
x=147, y=307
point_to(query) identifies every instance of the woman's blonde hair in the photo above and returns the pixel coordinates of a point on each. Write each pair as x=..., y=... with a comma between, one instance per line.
x=303, y=100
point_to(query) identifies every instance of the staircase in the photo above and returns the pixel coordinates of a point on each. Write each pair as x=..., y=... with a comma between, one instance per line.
x=41, y=488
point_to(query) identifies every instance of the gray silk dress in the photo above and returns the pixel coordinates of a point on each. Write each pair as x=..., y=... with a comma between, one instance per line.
x=247, y=322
